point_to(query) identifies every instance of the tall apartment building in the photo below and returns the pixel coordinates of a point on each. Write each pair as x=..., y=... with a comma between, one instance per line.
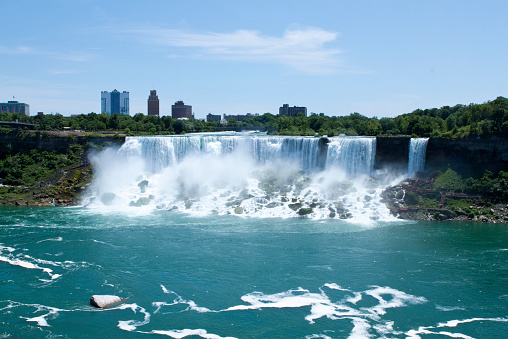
x=153, y=103
x=292, y=111
x=180, y=110
x=115, y=102
x=15, y=107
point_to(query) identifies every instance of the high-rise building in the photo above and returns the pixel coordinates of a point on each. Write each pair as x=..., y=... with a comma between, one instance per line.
x=292, y=111
x=180, y=110
x=153, y=103
x=15, y=107
x=115, y=102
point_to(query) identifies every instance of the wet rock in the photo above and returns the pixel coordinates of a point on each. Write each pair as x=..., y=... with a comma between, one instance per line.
x=440, y=216
x=332, y=215
x=283, y=199
x=399, y=195
x=367, y=198
x=295, y=206
x=143, y=185
x=272, y=205
x=103, y=301
x=239, y=210
x=305, y=211
x=188, y=204
x=108, y=198
x=140, y=202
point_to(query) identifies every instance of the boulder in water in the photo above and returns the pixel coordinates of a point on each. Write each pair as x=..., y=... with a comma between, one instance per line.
x=142, y=185
x=103, y=301
x=239, y=210
x=305, y=211
x=107, y=198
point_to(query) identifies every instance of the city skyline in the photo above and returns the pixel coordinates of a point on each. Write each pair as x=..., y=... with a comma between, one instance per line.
x=375, y=58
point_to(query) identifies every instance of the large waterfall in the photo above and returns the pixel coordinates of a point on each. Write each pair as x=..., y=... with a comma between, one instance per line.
x=241, y=174
x=417, y=151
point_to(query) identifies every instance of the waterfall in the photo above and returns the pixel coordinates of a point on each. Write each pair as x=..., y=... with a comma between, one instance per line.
x=355, y=155
x=417, y=150
x=234, y=173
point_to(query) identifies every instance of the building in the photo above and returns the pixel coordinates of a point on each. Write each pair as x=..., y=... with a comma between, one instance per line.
x=115, y=102
x=292, y=111
x=238, y=117
x=213, y=117
x=180, y=110
x=153, y=103
x=15, y=107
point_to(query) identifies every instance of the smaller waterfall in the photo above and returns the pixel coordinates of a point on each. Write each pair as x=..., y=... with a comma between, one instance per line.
x=417, y=151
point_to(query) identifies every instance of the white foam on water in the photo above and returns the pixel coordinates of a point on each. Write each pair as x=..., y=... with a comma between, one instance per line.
x=449, y=309
x=51, y=239
x=132, y=325
x=178, y=334
x=367, y=321
x=415, y=334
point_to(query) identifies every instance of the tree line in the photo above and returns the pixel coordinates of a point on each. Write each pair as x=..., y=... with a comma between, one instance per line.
x=459, y=121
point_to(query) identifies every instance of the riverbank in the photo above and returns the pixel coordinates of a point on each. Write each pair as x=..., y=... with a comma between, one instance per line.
x=416, y=199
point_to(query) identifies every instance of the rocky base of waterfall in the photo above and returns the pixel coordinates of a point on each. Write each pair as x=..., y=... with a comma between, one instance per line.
x=415, y=199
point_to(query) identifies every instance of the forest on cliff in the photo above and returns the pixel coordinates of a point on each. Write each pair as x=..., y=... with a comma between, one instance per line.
x=459, y=121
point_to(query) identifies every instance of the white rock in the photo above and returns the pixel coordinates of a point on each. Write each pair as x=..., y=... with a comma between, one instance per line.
x=103, y=301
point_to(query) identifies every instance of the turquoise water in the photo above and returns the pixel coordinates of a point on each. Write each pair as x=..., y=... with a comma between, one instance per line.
x=231, y=276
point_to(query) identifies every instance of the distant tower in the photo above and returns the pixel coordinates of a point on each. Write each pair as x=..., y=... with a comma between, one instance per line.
x=115, y=102
x=179, y=110
x=153, y=103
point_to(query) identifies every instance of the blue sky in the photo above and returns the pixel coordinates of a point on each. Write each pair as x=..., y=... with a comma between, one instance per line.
x=377, y=58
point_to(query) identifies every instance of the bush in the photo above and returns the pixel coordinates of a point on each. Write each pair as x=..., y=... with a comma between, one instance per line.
x=449, y=181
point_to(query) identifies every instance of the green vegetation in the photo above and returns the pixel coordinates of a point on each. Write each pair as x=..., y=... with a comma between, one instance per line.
x=459, y=121
x=43, y=178
x=489, y=185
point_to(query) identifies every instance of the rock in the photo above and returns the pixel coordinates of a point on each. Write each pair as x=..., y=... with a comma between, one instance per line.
x=305, y=211
x=143, y=185
x=140, y=202
x=107, y=198
x=239, y=210
x=332, y=215
x=367, y=198
x=272, y=205
x=440, y=216
x=103, y=301
x=295, y=207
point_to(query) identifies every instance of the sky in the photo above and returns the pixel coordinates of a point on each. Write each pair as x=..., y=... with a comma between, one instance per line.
x=377, y=58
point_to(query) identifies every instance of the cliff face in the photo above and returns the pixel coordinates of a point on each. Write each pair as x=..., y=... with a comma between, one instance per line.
x=17, y=141
x=470, y=156
x=392, y=152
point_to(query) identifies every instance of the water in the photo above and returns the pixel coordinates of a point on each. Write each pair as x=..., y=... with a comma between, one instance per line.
x=246, y=236
x=417, y=151
x=227, y=276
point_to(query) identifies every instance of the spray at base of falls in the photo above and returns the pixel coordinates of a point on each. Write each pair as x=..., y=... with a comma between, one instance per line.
x=247, y=175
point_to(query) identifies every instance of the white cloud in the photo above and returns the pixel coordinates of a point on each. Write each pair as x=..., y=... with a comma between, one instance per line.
x=68, y=56
x=302, y=49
